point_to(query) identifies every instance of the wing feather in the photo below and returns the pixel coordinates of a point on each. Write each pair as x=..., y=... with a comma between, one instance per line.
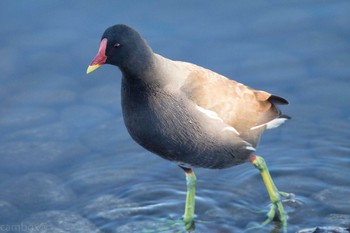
x=238, y=105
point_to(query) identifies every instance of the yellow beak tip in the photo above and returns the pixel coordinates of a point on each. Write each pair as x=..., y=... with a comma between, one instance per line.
x=92, y=68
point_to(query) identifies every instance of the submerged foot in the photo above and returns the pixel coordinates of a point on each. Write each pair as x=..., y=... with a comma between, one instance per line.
x=189, y=225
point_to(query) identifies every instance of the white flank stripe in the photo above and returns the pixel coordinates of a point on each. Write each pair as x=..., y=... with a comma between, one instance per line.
x=209, y=113
x=258, y=126
x=231, y=129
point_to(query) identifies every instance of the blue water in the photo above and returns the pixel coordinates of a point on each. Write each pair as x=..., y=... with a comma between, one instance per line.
x=65, y=153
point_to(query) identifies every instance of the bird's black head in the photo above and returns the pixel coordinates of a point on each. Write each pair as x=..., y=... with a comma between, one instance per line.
x=122, y=46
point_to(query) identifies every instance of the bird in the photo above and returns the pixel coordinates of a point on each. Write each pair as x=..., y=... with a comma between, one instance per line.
x=190, y=115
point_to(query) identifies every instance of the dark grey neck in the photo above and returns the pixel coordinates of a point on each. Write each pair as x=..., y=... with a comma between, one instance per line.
x=139, y=65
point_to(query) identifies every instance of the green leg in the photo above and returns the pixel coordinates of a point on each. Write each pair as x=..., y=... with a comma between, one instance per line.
x=190, y=199
x=275, y=196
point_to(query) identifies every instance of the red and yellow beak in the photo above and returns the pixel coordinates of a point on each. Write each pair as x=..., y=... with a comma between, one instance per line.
x=100, y=58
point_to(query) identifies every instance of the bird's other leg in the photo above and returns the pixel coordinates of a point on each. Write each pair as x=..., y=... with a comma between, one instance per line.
x=277, y=209
x=190, y=199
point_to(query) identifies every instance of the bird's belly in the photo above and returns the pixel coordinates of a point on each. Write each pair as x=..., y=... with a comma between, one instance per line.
x=174, y=133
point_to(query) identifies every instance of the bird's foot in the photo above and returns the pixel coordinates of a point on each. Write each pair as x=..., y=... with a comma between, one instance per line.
x=189, y=224
x=276, y=211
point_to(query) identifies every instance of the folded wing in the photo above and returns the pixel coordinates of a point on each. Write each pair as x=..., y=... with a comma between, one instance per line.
x=247, y=110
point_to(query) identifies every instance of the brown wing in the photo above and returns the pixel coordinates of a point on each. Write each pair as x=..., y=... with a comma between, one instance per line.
x=236, y=104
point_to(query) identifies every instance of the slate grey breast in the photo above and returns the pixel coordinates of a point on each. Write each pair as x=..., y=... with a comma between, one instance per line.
x=183, y=112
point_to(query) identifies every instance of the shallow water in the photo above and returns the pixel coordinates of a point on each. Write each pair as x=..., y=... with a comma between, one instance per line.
x=68, y=164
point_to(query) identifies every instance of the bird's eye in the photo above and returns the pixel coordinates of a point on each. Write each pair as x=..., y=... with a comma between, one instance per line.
x=116, y=45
